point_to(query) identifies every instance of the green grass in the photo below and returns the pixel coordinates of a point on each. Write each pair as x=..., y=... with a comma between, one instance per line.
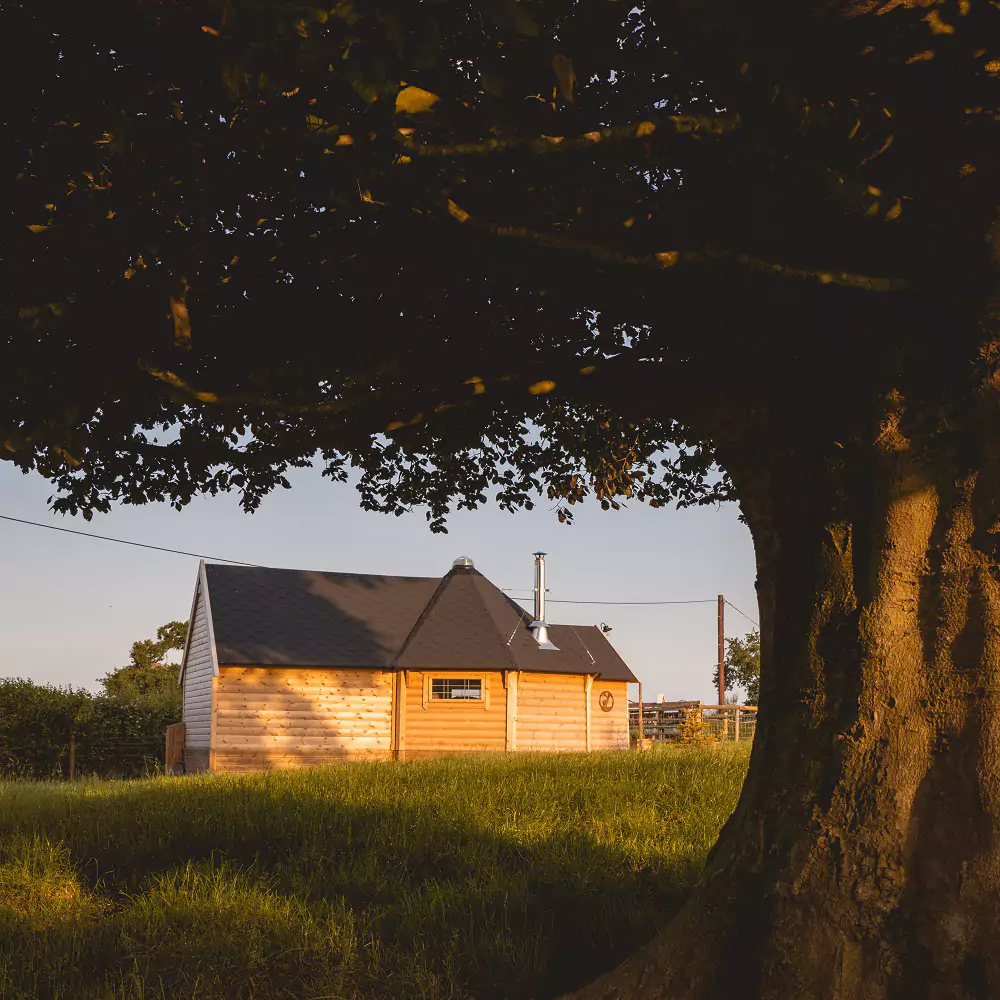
x=489, y=877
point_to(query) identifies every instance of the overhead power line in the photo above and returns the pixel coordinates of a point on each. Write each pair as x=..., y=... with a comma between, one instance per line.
x=240, y=562
x=559, y=600
x=122, y=541
x=745, y=615
x=706, y=600
x=563, y=600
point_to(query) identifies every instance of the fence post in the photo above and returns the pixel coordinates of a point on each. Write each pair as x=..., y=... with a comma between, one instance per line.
x=737, y=724
x=72, y=756
x=639, y=738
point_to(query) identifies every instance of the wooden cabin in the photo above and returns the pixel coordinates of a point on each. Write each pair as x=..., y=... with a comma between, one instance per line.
x=288, y=668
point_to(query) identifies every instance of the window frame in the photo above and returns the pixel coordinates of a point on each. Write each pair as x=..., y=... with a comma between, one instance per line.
x=451, y=703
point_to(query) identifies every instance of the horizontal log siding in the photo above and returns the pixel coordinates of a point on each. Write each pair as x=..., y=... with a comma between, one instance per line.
x=552, y=712
x=197, y=683
x=453, y=727
x=609, y=730
x=280, y=717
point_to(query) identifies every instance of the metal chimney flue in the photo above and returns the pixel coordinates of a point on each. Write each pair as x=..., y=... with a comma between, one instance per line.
x=539, y=586
x=539, y=628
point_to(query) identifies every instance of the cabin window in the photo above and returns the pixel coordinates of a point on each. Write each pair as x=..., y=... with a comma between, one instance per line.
x=456, y=689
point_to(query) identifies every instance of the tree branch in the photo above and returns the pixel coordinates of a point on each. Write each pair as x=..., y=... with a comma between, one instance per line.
x=677, y=258
x=696, y=125
x=202, y=396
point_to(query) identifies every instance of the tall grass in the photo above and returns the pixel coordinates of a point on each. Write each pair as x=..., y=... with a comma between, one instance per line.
x=488, y=877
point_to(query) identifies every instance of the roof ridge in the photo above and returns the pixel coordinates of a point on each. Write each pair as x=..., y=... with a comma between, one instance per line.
x=504, y=645
x=320, y=572
x=582, y=643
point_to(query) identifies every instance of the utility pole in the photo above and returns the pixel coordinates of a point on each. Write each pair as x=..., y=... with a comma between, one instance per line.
x=722, y=650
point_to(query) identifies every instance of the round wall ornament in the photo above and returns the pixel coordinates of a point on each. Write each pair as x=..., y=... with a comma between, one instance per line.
x=606, y=701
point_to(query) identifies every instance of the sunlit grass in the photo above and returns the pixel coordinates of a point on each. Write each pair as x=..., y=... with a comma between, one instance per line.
x=491, y=877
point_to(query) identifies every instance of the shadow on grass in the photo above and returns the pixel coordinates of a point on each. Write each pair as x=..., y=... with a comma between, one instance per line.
x=430, y=881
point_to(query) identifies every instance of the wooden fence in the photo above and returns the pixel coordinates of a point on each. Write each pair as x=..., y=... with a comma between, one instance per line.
x=661, y=720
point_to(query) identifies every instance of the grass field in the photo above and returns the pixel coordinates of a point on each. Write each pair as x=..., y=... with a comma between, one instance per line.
x=490, y=877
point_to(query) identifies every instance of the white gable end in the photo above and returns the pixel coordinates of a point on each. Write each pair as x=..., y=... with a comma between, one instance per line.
x=197, y=671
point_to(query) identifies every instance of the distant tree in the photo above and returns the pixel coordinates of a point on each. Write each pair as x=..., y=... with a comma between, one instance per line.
x=742, y=666
x=693, y=730
x=146, y=681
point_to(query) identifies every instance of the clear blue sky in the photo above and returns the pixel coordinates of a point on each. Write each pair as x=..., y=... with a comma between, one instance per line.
x=71, y=607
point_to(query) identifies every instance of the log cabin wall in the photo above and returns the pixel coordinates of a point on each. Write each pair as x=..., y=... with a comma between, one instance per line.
x=434, y=726
x=288, y=717
x=282, y=717
x=552, y=712
x=609, y=715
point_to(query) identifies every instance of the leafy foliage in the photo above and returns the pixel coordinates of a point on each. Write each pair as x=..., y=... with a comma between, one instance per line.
x=112, y=737
x=693, y=730
x=117, y=732
x=742, y=666
x=35, y=725
x=502, y=247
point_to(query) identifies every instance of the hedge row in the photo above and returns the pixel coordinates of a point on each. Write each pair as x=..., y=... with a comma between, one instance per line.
x=111, y=737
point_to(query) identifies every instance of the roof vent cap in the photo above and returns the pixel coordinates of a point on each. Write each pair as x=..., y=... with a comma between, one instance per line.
x=463, y=562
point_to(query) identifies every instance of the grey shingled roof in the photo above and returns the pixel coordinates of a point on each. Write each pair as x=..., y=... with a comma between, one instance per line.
x=277, y=617
x=281, y=617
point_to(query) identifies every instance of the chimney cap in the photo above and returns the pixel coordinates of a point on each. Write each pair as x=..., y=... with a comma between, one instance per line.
x=538, y=553
x=463, y=562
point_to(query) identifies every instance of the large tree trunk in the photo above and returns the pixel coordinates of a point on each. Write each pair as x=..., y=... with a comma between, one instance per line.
x=863, y=859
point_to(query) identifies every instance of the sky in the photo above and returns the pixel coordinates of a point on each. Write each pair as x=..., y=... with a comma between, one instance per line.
x=71, y=607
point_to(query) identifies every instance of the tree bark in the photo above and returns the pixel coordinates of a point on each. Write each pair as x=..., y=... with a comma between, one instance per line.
x=863, y=859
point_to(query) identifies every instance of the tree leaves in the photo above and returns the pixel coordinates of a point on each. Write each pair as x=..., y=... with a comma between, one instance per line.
x=507, y=244
x=523, y=20
x=742, y=666
x=415, y=101
x=182, y=322
x=493, y=84
x=541, y=387
x=563, y=67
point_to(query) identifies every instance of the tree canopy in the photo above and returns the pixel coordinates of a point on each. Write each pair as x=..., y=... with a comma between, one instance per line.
x=146, y=680
x=742, y=666
x=569, y=247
